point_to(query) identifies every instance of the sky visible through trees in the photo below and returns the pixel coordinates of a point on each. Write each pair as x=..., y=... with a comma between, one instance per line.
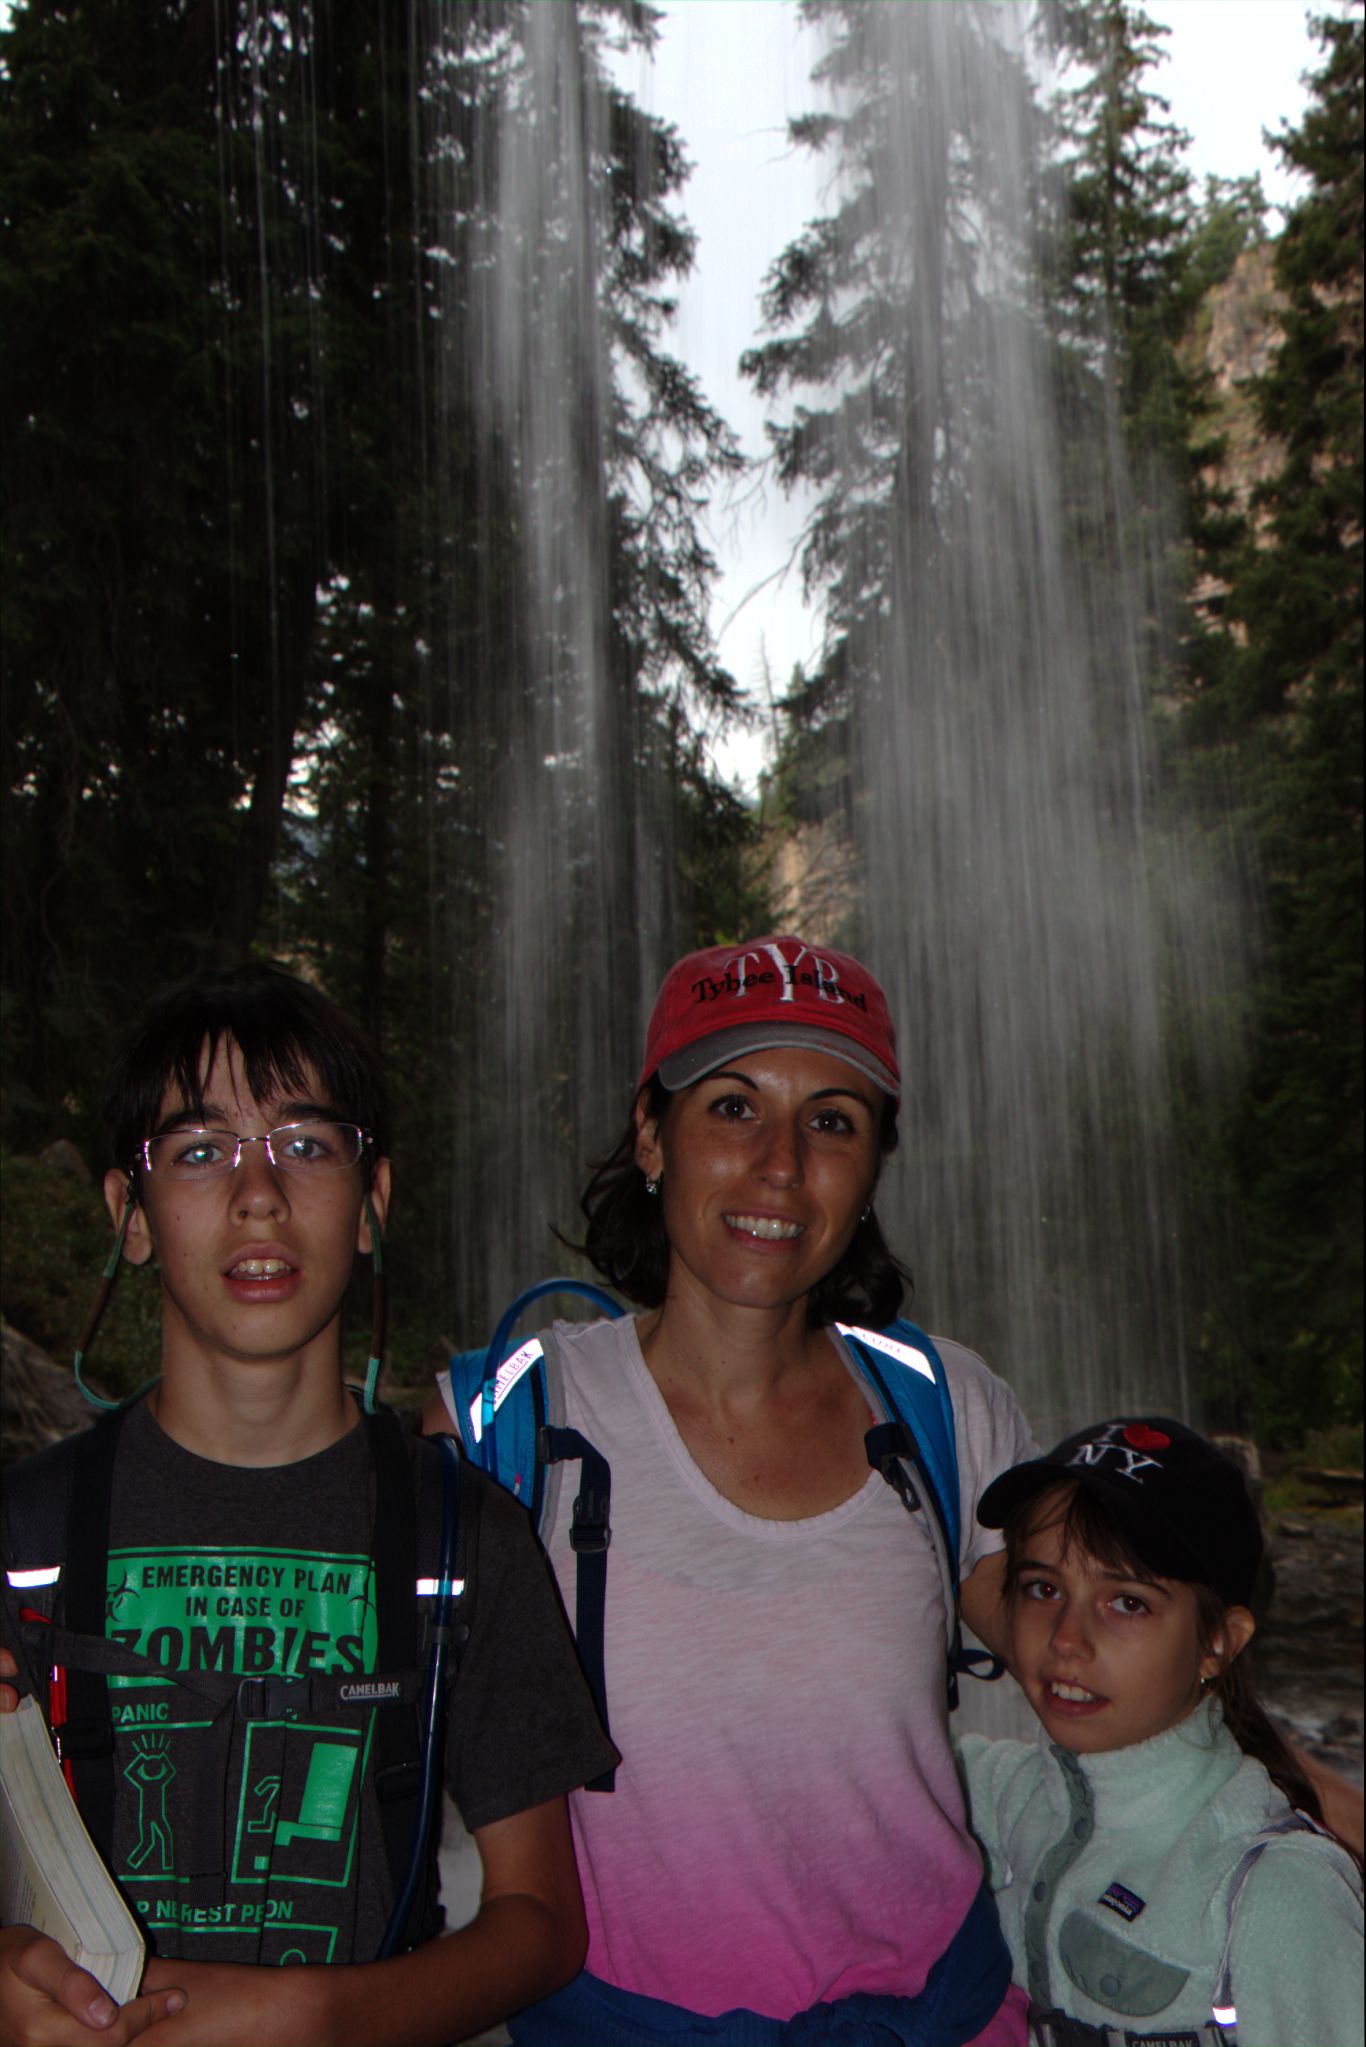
x=731, y=73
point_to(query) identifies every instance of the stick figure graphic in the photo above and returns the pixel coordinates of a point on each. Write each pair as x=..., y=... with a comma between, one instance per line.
x=150, y=1772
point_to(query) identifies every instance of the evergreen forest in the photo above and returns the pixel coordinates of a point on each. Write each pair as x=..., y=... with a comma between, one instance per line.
x=357, y=595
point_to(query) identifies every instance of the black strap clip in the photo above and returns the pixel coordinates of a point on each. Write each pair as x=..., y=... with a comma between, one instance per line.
x=272, y=1698
x=590, y=1527
x=590, y=1530
x=887, y=1445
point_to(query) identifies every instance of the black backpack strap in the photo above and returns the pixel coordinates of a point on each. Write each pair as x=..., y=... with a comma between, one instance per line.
x=416, y=1492
x=86, y=1737
x=397, y=1750
x=894, y=1452
x=590, y=1533
x=37, y=1497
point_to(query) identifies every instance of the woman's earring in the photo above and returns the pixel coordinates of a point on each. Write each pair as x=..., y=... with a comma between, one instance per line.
x=651, y=1186
x=866, y=1213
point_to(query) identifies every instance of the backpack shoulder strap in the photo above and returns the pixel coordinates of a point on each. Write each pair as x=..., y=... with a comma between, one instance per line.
x=37, y=1502
x=907, y=1376
x=500, y=1419
x=512, y=1422
x=421, y=1596
x=1225, y=2016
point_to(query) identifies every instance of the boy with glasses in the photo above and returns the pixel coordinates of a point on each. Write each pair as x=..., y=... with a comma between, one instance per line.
x=249, y=1523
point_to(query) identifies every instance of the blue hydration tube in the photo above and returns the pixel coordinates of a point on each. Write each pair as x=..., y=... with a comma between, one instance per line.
x=439, y=1638
x=497, y=1349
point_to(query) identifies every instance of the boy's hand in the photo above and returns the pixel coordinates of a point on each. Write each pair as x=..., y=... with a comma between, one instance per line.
x=9, y=1697
x=47, y=2001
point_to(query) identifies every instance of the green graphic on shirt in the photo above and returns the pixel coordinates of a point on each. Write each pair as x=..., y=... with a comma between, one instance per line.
x=150, y=1770
x=293, y=1790
x=322, y=1812
x=260, y=1613
x=267, y=1791
x=297, y=1821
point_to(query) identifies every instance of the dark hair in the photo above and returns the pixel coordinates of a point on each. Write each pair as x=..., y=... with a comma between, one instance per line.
x=1084, y=1525
x=280, y=1025
x=627, y=1243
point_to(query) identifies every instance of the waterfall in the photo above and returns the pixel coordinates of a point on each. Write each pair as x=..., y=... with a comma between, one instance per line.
x=1037, y=917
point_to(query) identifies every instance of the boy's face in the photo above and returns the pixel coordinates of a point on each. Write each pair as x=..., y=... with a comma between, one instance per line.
x=254, y=1262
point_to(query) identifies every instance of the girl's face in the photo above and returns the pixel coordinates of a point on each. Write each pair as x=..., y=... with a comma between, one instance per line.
x=1106, y=1657
x=765, y=1168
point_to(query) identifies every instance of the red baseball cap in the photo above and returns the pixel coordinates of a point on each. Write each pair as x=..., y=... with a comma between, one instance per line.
x=764, y=994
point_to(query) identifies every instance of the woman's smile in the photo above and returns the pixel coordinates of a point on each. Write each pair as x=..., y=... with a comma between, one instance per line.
x=765, y=1168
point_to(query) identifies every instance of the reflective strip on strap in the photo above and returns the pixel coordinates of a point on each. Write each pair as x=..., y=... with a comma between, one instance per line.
x=29, y=1581
x=509, y=1372
x=904, y=1353
x=427, y=1588
x=1225, y=2015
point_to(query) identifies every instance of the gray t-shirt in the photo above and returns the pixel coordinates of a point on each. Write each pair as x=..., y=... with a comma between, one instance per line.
x=258, y=1841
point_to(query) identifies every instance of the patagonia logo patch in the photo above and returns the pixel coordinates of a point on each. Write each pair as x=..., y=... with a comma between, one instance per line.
x=1124, y=1902
x=375, y=1692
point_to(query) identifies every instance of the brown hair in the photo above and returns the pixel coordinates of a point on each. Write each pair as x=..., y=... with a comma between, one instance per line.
x=627, y=1243
x=1084, y=1525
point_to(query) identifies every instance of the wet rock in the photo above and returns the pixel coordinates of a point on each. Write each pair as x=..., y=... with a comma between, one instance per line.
x=1309, y=1649
x=39, y=1399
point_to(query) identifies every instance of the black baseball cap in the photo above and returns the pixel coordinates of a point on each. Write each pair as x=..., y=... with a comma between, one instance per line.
x=1179, y=1504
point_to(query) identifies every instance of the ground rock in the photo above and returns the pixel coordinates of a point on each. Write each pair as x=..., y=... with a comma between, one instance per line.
x=1309, y=1650
x=39, y=1399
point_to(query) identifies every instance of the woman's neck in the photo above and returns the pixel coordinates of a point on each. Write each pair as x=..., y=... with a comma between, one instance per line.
x=766, y=1407
x=726, y=1351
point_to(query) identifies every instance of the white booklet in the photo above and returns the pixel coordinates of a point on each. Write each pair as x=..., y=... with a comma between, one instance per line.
x=51, y=1873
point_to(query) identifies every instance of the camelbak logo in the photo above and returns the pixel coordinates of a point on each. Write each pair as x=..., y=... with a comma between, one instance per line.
x=768, y=967
x=371, y=1694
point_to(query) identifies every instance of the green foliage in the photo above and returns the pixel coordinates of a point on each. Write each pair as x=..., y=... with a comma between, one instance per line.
x=58, y=1238
x=267, y=647
x=1287, y=710
x=1230, y=218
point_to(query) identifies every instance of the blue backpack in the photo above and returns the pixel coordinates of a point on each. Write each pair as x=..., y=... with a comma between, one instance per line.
x=510, y=1410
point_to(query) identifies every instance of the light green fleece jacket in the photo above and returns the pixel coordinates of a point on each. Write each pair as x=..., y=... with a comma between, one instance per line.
x=1112, y=1874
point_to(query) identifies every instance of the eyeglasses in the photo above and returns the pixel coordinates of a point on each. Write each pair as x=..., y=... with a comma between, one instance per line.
x=317, y=1146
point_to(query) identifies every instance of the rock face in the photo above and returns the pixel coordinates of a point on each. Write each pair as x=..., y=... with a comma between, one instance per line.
x=39, y=1399
x=1309, y=1652
x=1243, y=336
x=1235, y=339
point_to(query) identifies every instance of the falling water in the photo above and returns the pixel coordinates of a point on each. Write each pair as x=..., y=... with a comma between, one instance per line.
x=1034, y=928
x=576, y=855
x=1016, y=895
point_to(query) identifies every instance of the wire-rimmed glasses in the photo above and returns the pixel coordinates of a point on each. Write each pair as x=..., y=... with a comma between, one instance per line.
x=316, y=1145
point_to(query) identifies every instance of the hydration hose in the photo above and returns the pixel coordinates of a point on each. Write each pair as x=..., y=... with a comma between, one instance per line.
x=440, y=1641
x=507, y=1322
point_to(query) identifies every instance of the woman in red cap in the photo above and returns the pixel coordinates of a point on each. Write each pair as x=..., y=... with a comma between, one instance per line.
x=784, y=1856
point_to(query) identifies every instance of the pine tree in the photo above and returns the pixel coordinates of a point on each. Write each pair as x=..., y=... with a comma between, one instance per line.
x=274, y=660
x=1294, y=703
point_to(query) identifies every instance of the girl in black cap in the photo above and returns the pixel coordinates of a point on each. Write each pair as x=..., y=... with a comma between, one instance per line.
x=1155, y=1879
